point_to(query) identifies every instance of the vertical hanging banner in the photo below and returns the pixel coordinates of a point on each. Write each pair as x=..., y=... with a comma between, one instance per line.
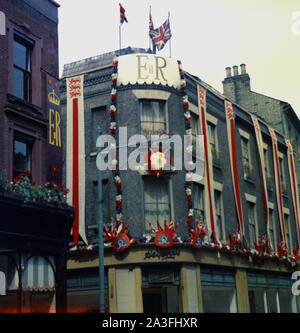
x=294, y=183
x=233, y=161
x=260, y=147
x=278, y=184
x=209, y=188
x=75, y=166
x=54, y=164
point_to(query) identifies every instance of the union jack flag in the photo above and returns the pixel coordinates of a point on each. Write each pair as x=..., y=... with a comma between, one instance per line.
x=122, y=15
x=161, y=35
x=151, y=26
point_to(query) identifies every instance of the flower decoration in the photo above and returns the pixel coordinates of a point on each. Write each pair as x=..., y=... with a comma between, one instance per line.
x=118, y=236
x=158, y=161
x=296, y=258
x=164, y=237
x=198, y=235
x=282, y=251
x=235, y=243
x=261, y=246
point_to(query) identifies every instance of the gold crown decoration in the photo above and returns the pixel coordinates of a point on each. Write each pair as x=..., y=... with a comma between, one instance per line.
x=53, y=98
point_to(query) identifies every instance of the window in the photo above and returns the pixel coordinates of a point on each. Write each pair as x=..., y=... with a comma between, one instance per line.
x=245, y=153
x=266, y=160
x=198, y=202
x=281, y=169
x=219, y=216
x=288, y=234
x=272, y=229
x=156, y=201
x=252, y=223
x=211, y=128
x=270, y=293
x=22, y=154
x=218, y=290
x=153, y=116
x=195, y=132
x=22, y=63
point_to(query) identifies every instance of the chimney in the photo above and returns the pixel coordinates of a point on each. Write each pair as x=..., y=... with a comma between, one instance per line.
x=228, y=71
x=235, y=70
x=243, y=69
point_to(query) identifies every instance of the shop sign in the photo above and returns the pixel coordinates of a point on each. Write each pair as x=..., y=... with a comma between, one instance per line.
x=163, y=254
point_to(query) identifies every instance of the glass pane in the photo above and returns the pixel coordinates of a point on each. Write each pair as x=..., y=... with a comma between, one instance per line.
x=20, y=54
x=272, y=300
x=256, y=300
x=18, y=83
x=287, y=302
x=219, y=300
x=156, y=201
x=153, y=116
x=22, y=157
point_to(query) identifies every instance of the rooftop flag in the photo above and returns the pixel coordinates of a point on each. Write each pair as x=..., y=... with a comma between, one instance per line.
x=161, y=35
x=122, y=15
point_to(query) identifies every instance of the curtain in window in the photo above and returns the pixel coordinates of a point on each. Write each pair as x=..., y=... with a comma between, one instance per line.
x=153, y=116
x=156, y=201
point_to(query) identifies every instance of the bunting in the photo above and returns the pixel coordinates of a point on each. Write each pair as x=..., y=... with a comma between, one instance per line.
x=209, y=188
x=75, y=165
x=233, y=161
x=260, y=147
x=278, y=186
x=294, y=183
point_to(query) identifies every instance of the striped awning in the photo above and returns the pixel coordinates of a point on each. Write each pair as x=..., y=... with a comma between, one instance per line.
x=37, y=272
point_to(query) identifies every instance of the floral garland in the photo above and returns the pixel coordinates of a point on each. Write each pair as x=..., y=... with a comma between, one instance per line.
x=189, y=147
x=113, y=132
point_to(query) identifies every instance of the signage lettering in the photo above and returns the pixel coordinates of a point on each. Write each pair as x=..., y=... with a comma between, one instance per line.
x=167, y=254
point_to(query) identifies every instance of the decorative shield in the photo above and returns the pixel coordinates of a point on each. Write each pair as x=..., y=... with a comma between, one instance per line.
x=121, y=242
x=163, y=239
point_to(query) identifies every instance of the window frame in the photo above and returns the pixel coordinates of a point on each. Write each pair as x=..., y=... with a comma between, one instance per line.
x=26, y=72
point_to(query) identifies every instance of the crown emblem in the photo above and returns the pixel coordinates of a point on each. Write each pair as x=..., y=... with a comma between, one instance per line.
x=53, y=98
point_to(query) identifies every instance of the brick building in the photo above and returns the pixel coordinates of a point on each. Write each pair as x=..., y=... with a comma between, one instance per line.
x=147, y=277
x=33, y=236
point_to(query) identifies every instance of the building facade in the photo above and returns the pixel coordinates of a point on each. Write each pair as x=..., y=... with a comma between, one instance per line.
x=34, y=233
x=218, y=265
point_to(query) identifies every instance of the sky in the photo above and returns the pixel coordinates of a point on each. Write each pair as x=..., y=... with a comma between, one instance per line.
x=207, y=36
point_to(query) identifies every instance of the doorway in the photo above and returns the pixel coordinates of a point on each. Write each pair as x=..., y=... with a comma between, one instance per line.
x=161, y=300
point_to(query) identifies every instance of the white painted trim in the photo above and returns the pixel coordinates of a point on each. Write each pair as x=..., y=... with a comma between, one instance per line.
x=250, y=198
x=151, y=94
x=286, y=211
x=271, y=205
x=244, y=134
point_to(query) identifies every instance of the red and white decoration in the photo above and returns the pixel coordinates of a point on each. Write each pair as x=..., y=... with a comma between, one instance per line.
x=198, y=235
x=294, y=183
x=165, y=237
x=158, y=161
x=118, y=236
x=260, y=147
x=75, y=164
x=283, y=246
x=209, y=187
x=233, y=161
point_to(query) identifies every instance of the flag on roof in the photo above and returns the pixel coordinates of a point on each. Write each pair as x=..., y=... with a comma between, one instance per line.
x=151, y=26
x=122, y=15
x=161, y=35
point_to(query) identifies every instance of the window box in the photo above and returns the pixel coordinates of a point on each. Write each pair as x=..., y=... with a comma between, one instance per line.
x=249, y=174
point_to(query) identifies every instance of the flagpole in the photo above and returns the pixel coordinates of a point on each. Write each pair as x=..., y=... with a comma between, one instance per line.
x=120, y=38
x=171, y=37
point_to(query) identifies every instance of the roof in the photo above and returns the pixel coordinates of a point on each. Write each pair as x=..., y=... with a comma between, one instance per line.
x=97, y=62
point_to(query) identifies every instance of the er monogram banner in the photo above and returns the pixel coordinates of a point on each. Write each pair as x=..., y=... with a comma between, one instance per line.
x=148, y=68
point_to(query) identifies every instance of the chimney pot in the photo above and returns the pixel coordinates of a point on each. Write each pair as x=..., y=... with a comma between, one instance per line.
x=228, y=71
x=243, y=69
x=235, y=70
